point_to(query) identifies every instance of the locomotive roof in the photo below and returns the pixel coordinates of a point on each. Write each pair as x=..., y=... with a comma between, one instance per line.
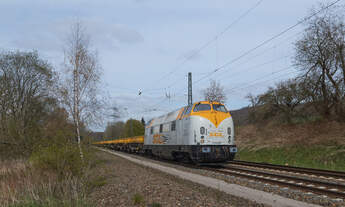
x=171, y=116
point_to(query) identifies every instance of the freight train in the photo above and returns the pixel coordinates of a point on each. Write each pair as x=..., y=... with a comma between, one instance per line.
x=202, y=132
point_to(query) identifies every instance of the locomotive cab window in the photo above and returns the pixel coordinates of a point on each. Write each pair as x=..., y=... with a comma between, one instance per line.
x=188, y=110
x=202, y=107
x=219, y=107
x=184, y=111
x=161, y=128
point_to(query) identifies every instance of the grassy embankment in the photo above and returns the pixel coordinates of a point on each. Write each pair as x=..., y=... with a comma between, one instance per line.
x=315, y=145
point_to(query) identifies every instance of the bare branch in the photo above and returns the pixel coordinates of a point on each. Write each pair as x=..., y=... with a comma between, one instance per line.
x=214, y=92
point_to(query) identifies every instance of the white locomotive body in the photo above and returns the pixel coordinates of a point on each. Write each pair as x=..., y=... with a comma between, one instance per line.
x=201, y=132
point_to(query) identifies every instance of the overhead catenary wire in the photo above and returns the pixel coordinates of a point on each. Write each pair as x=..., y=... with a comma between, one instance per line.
x=263, y=77
x=254, y=67
x=264, y=81
x=205, y=45
x=239, y=89
x=250, y=59
x=215, y=38
x=266, y=41
x=284, y=41
x=263, y=43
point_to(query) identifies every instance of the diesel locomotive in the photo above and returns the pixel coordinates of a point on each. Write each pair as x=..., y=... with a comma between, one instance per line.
x=202, y=132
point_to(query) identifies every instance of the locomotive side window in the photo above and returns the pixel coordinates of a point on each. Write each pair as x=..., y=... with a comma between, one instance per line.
x=166, y=127
x=219, y=107
x=151, y=130
x=161, y=128
x=173, y=126
x=202, y=107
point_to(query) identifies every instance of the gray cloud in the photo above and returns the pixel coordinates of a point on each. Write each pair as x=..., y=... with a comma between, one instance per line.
x=36, y=42
x=103, y=35
x=125, y=35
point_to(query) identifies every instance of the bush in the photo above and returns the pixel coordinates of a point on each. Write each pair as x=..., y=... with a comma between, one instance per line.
x=138, y=198
x=60, y=155
x=61, y=159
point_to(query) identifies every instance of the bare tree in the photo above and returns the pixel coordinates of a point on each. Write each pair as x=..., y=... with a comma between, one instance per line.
x=80, y=89
x=284, y=99
x=215, y=92
x=253, y=108
x=25, y=82
x=320, y=54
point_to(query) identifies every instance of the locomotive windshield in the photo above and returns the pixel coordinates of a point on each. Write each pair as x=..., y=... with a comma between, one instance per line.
x=219, y=107
x=202, y=107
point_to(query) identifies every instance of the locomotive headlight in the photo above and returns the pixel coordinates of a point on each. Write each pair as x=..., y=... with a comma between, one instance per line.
x=229, y=130
x=202, y=130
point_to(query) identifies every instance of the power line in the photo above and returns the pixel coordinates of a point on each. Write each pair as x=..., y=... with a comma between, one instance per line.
x=266, y=41
x=205, y=46
x=256, y=47
x=197, y=51
x=265, y=81
x=255, y=66
x=250, y=58
x=263, y=77
x=284, y=41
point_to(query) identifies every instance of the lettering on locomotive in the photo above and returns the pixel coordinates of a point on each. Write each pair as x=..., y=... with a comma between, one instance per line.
x=216, y=134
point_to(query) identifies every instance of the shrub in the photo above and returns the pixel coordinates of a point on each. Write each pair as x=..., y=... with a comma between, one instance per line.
x=138, y=198
x=60, y=155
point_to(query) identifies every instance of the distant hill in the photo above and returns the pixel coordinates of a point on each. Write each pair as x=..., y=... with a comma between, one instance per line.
x=240, y=116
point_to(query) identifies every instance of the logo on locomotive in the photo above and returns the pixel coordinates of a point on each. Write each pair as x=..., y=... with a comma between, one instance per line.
x=160, y=139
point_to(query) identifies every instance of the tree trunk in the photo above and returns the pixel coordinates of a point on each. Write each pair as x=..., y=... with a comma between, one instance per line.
x=325, y=100
x=76, y=112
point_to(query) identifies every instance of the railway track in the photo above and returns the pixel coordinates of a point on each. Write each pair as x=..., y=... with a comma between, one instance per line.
x=280, y=175
x=327, y=174
x=283, y=177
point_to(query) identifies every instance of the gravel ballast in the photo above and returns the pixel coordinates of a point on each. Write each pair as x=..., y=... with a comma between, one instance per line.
x=218, y=184
x=273, y=189
x=124, y=183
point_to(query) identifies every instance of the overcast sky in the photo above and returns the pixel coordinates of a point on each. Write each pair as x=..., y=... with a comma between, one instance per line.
x=150, y=45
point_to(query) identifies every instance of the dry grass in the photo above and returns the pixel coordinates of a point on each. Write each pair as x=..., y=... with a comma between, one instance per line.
x=324, y=133
x=23, y=185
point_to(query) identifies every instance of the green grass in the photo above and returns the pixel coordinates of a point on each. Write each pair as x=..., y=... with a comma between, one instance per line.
x=155, y=205
x=97, y=182
x=138, y=199
x=330, y=157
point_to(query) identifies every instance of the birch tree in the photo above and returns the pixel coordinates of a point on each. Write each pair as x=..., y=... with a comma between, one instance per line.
x=80, y=89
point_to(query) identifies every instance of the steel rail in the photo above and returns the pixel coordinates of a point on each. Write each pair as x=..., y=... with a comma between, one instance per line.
x=315, y=186
x=333, y=190
x=310, y=171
